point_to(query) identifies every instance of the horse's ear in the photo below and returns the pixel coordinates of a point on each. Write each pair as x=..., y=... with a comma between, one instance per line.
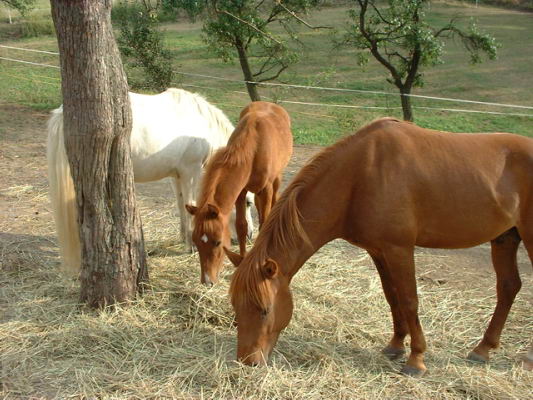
x=235, y=258
x=212, y=211
x=270, y=269
x=191, y=209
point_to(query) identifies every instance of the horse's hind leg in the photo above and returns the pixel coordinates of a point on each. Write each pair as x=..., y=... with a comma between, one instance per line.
x=396, y=347
x=526, y=232
x=504, y=249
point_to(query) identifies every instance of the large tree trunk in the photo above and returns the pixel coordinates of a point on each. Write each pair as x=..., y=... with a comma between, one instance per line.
x=97, y=126
x=247, y=72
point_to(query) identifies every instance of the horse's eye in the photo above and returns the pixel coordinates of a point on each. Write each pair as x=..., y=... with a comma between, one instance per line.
x=217, y=243
x=264, y=313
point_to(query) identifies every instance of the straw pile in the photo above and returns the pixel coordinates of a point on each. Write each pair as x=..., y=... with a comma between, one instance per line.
x=178, y=341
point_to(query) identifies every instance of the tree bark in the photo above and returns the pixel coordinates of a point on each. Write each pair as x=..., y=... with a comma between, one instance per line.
x=406, y=104
x=97, y=127
x=247, y=71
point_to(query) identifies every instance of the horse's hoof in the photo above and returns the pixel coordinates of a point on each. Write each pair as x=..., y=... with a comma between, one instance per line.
x=477, y=358
x=413, y=371
x=393, y=353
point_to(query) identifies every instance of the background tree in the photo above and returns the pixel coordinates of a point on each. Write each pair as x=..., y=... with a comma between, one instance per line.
x=241, y=29
x=396, y=34
x=141, y=44
x=22, y=6
x=97, y=125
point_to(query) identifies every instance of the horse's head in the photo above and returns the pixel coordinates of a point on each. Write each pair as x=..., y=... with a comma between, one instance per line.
x=262, y=301
x=210, y=234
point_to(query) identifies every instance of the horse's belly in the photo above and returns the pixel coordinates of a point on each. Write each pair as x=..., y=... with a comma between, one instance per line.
x=469, y=234
x=146, y=171
x=153, y=161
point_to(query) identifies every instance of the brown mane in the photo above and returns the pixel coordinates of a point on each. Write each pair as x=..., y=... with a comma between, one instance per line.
x=239, y=151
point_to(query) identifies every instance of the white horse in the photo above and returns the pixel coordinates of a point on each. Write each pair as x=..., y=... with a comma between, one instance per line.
x=173, y=134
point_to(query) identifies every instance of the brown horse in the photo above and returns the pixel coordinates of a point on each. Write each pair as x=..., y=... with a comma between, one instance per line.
x=253, y=160
x=388, y=188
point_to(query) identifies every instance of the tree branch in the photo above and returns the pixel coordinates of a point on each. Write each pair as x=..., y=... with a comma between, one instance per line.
x=379, y=14
x=295, y=16
x=283, y=68
x=373, y=45
x=255, y=28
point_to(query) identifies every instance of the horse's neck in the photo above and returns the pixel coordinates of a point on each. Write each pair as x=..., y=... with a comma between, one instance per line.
x=319, y=231
x=228, y=184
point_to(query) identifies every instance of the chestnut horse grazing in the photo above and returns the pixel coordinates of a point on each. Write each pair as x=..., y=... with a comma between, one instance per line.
x=388, y=188
x=253, y=160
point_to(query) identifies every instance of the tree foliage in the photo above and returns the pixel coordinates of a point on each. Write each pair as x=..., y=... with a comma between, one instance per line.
x=396, y=33
x=22, y=6
x=140, y=43
x=241, y=29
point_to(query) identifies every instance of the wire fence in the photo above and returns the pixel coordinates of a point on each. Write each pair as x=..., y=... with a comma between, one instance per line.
x=295, y=86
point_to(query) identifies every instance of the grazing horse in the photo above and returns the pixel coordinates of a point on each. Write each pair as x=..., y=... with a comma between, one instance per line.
x=256, y=154
x=388, y=188
x=173, y=134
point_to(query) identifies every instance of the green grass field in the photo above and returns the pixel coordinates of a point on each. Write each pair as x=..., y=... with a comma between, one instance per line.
x=506, y=80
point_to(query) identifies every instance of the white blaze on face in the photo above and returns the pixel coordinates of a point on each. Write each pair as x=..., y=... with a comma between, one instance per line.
x=204, y=238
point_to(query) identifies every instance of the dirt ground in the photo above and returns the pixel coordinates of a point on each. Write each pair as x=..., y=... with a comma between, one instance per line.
x=23, y=202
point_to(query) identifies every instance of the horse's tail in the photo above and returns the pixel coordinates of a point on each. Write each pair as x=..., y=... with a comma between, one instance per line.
x=62, y=195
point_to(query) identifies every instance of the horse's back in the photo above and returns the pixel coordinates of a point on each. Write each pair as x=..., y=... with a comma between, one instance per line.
x=267, y=129
x=172, y=131
x=173, y=113
x=399, y=143
x=270, y=126
x=437, y=189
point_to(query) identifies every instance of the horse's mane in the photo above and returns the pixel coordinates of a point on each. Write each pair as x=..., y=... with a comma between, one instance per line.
x=239, y=151
x=283, y=228
x=217, y=119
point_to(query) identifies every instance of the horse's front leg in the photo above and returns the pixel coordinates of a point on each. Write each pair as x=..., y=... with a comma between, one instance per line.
x=187, y=185
x=401, y=267
x=275, y=190
x=241, y=225
x=182, y=212
x=396, y=347
x=263, y=202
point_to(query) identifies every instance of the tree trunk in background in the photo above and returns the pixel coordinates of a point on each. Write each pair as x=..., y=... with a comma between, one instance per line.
x=406, y=104
x=247, y=71
x=97, y=126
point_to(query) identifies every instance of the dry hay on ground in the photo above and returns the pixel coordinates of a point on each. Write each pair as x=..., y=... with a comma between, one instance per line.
x=178, y=341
